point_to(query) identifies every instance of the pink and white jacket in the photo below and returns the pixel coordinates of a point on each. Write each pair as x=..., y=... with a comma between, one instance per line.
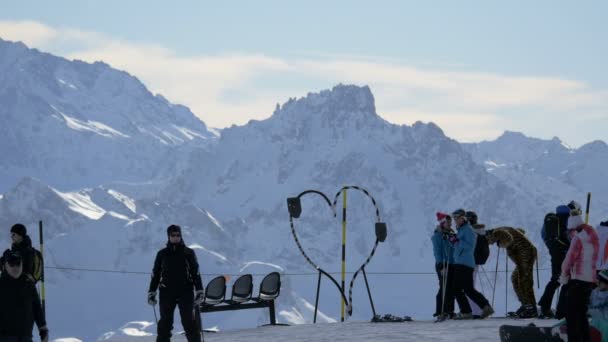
x=602, y=233
x=581, y=260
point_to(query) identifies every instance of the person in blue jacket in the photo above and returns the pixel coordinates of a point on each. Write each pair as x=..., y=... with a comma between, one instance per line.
x=444, y=266
x=464, y=265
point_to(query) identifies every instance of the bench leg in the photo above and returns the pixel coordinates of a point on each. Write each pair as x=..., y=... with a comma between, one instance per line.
x=273, y=317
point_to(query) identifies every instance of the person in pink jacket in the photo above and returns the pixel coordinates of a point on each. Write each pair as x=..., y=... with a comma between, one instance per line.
x=579, y=273
x=602, y=233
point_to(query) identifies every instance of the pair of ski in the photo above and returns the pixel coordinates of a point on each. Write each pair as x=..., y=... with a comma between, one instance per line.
x=388, y=318
x=513, y=317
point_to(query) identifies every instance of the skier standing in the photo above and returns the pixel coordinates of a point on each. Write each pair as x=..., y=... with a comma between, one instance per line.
x=464, y=265
x=19, y=303
x=579, y=272
x=556, y=239
x=523, y=253
x=22, y=244
x=481, y=254
x=176, y=273
x=444, y=266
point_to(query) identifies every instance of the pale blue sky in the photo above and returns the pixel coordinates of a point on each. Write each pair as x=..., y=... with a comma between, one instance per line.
x=476, y=68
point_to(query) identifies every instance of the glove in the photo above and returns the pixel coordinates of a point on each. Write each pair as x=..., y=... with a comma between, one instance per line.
x=152, y=298
x=453, y=238
x=44, y=334
x=199, y=297
x=563, y=279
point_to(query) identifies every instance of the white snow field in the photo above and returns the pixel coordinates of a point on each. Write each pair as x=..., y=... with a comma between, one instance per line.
x=449, y=331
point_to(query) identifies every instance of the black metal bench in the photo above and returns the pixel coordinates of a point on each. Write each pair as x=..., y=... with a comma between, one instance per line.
x=241, y=297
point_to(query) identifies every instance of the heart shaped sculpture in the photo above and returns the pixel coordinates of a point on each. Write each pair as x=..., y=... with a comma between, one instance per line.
x=295, y=210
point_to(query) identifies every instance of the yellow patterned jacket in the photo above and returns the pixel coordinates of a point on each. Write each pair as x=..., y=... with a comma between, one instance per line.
x=519, y=248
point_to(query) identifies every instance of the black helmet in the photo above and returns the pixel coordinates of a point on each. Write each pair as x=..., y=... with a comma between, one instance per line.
x=458, y=213
x=471, y=217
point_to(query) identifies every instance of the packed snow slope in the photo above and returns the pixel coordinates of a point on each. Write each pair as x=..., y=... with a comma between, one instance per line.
x=449, y=331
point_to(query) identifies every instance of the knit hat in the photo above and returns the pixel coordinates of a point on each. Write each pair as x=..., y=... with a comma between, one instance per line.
x=19, y=229
x=441, y=217
x=173, y=229
x=575, y=208
x=575, y=221
x=603, y=276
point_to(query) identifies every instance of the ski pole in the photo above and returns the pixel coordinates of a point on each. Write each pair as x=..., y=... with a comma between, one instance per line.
x=444, y=281
x=486, y=277
x=506, y=284
x=155, y=317
x=537, y=274
x=343, y=252
x=479, y=280
x=587, y=210
x=495, y=275
x=42, y=290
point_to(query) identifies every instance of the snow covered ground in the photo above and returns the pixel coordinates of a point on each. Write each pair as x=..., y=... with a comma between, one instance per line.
x=452, y=331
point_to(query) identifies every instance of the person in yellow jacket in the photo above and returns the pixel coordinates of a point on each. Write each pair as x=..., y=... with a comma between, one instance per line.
x=523, y=253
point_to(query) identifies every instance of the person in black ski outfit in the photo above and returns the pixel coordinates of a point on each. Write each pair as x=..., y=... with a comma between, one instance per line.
x=19, y=303
x=176, y=273
x=557, y=243
x=23, y=245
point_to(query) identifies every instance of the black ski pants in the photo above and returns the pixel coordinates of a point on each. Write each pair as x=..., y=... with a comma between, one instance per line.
x=16, y=339
x=576, y=315
x=557, y=258
x=184, y=300
x=448, y=305
x=463, y=283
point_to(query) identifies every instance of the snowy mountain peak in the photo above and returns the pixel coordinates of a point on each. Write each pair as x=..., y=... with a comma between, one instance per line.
x=596, y=146
x=342, y=102
x=27, y=185
x=66, y=117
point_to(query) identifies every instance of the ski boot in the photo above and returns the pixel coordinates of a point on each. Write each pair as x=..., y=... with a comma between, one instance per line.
x=487, y=311
x=546, y=313
x=463, y=316
x=528, y=311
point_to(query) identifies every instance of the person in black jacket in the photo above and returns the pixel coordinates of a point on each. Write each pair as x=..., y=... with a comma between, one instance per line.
x=23, y=245
x=557, y=242
x=176, y=274
x=20, y=305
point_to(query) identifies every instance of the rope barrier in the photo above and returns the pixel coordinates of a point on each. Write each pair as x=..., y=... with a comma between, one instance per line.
x=76, y=269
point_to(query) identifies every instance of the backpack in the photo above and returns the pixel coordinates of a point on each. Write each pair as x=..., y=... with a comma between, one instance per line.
x=553, y=230
x=38, y=269
x=550, y=230
x=482, y=250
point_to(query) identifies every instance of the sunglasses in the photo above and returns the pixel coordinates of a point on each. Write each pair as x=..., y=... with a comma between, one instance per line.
x=176, y=235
